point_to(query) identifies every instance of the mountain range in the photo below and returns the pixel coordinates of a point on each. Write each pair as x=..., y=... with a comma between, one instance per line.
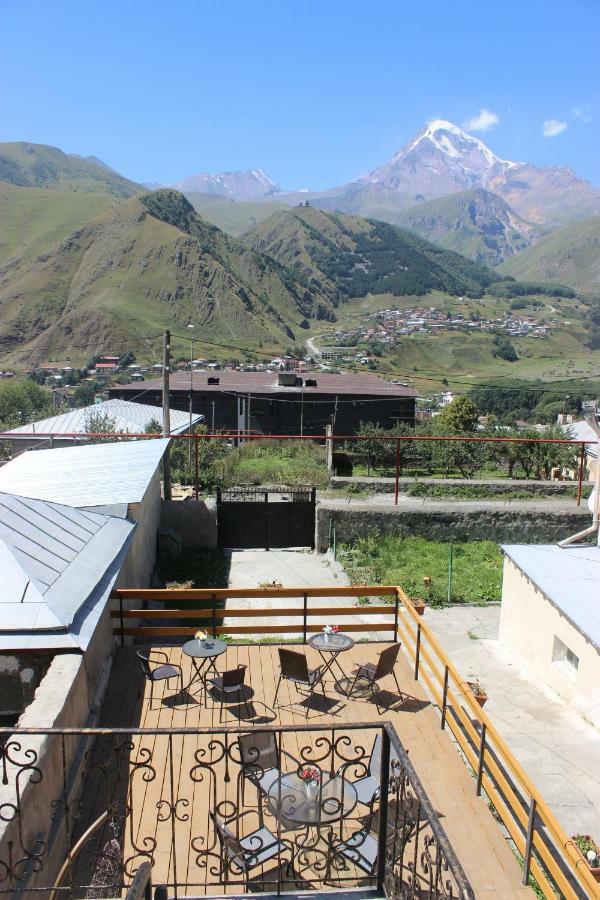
x=89, y=258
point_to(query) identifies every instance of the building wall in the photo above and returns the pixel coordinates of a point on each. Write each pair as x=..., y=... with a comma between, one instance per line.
x=269, y=415
x=529, y=624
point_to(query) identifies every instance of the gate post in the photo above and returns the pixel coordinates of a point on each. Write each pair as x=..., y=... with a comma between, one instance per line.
x=266, y=520
x=313, y=502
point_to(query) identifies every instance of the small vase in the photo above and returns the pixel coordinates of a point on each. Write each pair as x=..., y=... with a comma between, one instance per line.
x=327, y=636
x=312, y=790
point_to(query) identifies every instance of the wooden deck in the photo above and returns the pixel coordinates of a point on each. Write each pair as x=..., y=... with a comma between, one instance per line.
x=475, y=836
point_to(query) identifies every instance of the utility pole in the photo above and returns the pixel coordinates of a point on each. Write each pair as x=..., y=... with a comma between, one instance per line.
x=166, y=414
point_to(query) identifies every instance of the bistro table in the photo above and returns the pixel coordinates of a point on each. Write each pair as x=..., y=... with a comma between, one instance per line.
x=329, y=647
x=207, y=651
x=314, y=808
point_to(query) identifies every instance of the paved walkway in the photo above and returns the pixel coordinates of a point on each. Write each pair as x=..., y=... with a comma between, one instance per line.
x=290, y=568
x=555, y=746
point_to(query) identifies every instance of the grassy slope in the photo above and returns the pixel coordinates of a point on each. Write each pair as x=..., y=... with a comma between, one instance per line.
x=571, y=255
x=37, y=165
x=32, y=220
x=229, y=215
x=129, y=273
x=476, y=223
x=342, y=253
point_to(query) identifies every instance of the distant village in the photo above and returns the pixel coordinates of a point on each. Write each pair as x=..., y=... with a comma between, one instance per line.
x=387, y=326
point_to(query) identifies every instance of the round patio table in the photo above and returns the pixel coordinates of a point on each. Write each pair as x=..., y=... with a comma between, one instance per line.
x=296, y=803
x=206, y=651
x=329, y=647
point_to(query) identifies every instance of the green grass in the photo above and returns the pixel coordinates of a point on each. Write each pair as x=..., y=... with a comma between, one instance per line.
x=385, y=559
x=276, y=462
x=480, y=492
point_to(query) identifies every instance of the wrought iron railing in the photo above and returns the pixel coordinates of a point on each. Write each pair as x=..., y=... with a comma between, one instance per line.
x=273, y=809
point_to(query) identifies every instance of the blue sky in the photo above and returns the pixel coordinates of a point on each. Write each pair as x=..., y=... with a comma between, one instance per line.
x=315, y=92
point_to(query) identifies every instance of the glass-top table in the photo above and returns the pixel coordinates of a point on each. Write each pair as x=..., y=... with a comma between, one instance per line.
x=329, y=647
x=207, y=651
x=296, y=803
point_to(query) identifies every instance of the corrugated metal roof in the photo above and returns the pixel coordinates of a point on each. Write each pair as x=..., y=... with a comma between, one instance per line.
x=58, y=565
x=267, y=383
x=581, y=431
x=91, y=475
x=569, y=577
x=129, y=417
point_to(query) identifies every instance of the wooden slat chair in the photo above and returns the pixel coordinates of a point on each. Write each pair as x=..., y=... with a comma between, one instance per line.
x=294, y=668
x=372, y=673
x=163, y=672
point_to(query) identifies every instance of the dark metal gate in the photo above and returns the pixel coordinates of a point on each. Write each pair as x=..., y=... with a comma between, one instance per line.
x=249, y=518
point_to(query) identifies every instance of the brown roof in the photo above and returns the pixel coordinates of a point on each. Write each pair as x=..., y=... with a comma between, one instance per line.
x=267, y=383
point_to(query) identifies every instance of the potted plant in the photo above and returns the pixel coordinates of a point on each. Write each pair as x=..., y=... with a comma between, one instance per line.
x=311, y=776
x=419, y=604
x=478, y=692
x=328, y=630
x=589, y=849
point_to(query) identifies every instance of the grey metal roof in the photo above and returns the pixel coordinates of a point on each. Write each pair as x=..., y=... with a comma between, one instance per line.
x=581, y=431
x=91, y=475
x=570, y=579
x=129, y=417
x=58, y=566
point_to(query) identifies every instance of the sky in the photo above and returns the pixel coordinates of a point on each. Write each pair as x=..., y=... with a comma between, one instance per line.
x=314, y=92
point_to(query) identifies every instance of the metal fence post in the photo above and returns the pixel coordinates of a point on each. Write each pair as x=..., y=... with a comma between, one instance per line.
x=121, y=618
x=396, y=609
x=397, y=473
x=481, y=756
x=214, y=615
x=418, y=652
x=445, y=697
x=450, y=561
x=580, y=475
x=384, y=782
x=196, y=466
x=304, y=615
x=528, y=842
x=266, y=520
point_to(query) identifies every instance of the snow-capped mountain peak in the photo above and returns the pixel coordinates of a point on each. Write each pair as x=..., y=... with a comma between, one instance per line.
x=247, y=185
x=440, y=159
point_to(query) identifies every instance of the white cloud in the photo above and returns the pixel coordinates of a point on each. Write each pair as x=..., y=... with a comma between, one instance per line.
x=483, y=121
x=552, y=127
x=581, y=113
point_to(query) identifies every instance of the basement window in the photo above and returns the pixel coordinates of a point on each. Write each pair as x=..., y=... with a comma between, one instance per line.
x=564, y=658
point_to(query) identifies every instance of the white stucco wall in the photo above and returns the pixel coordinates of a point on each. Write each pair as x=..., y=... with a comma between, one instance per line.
x=529, y=623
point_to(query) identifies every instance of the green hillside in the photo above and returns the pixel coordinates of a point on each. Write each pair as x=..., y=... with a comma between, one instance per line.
x=232, y=216
x=32, y=220
x=36, y=165
x=570, y=255
x=349, y=256
x=147, y=264
x=476, y=223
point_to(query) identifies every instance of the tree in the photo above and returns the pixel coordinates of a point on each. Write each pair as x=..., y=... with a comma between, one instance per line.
x=374, y=452
x=85, y=393
x=22, y=402
x=153, y=426
x=457, y=417
x=97, y=422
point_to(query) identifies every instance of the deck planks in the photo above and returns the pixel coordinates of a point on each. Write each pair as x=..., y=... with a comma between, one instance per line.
x=474, y=834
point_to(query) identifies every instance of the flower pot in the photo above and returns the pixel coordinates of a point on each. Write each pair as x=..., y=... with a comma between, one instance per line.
x=419, y=605
x=478, y=693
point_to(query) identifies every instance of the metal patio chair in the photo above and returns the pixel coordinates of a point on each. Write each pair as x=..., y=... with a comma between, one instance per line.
x=294, y=668
x=162, y=672
x=372, y=673
x=260, y=757
x=368, y=786
x=240, y=855
x=361, y=849
x=230, y=682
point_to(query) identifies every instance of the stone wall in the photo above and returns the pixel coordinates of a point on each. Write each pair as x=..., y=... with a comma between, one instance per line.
x=500, y=486
x=517, y=522
x=194, y=522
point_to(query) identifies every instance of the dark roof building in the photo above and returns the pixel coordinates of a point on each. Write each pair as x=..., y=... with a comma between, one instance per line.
x=283, y=402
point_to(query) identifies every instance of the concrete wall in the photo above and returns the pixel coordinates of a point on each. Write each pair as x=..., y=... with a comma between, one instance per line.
x=529, y=624
x=20, y=674
x=60, y=701
x=515, y=522
x=139, y=563
x=193, y=521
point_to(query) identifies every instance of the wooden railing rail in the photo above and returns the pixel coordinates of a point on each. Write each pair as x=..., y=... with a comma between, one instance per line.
x=549, y=854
